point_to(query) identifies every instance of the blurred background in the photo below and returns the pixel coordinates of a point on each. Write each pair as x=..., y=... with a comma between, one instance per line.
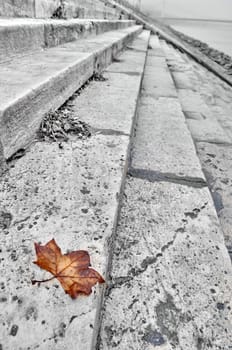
x=207, y=20
x=201, y=9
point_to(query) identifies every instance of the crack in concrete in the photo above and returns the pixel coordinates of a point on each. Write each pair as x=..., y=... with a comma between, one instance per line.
x=108, y=132
x=151, y=260
x=219, y=143
x=125, y=72
x=134, y=49
x=156, y=176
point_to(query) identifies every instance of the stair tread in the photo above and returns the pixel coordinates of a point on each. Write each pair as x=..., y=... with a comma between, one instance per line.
x=87, y=176
x=25, y=73
x=19, y=36
x=34, y=81
x=170, y=270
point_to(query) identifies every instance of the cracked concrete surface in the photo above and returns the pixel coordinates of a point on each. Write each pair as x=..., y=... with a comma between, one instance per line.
x=153, y=176
x=212, y=132
x=70, y=194
x=171, y=274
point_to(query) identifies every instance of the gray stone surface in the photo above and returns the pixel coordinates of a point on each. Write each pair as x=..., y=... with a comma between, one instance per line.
x=70, y=194
x=17, y=8
x=21, y=36
x=197, y=107
x=157, y=82
x=208, y=130
x=155, y=47
x=31, y=86
x=182, y=80
x=171, y=273
x=47, y=8
x=217, y=164
x=163, y=141
x=2, y=160
x=207, y=107
x=191, y=101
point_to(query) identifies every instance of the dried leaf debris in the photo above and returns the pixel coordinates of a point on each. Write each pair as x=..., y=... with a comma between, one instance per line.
x=58, y=125
x=72, y=270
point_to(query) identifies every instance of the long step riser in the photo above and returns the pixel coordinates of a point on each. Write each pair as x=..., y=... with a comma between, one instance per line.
x=21, y=119
x=48, y=8
x=24, y=36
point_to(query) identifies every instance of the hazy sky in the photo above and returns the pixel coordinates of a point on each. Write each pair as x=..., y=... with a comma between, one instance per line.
x=220, y=9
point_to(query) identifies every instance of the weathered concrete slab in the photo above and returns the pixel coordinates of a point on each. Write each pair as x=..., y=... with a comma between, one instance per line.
x=217, y=164
x=21, y=36
x=70, y=194
x=208, y=130
x=216, y=129
x=2, y=160
x=17, y=8
x=159, y=82
x=155, y=47
x=160, y=86
x=43, y=81
x=110, y=108
x=205, y=128
x=109, y=105
x=48, y=8
x=182, y=80
x=191, y=101
x=171, y=273
x=163, y=141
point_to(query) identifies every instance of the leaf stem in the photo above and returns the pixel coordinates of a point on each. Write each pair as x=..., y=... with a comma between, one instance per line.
x=36, y=281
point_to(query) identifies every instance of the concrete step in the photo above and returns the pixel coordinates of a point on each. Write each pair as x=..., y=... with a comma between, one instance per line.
x=57, y=8
x=21, y=36
x=36, y=84
x=210, y=121
x=72, y=194
x=170, y=271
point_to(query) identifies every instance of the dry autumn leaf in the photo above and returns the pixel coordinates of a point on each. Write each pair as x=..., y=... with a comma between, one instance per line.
x=72, y=270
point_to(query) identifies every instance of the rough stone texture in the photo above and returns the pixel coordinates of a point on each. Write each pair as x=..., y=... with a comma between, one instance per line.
x=208, y=130
x=109, y=105
x=160, y=84
x=191, y=101
x=47, y=9
x=198, y=93
x=163, y=142
x=45, y=80
x=217, y=164
x=70, y=194
x=182, y=80
x=22, y=36
x=2, y=160
x=17, y=8
x=214, y=126
x=171, y=274
x=155, y=47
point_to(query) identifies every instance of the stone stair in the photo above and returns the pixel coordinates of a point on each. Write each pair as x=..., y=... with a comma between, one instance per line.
x=72, y=194
x=170, y=278
x=128, y=187
x=206, y=103
x=51, y=69
x=59, y=8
